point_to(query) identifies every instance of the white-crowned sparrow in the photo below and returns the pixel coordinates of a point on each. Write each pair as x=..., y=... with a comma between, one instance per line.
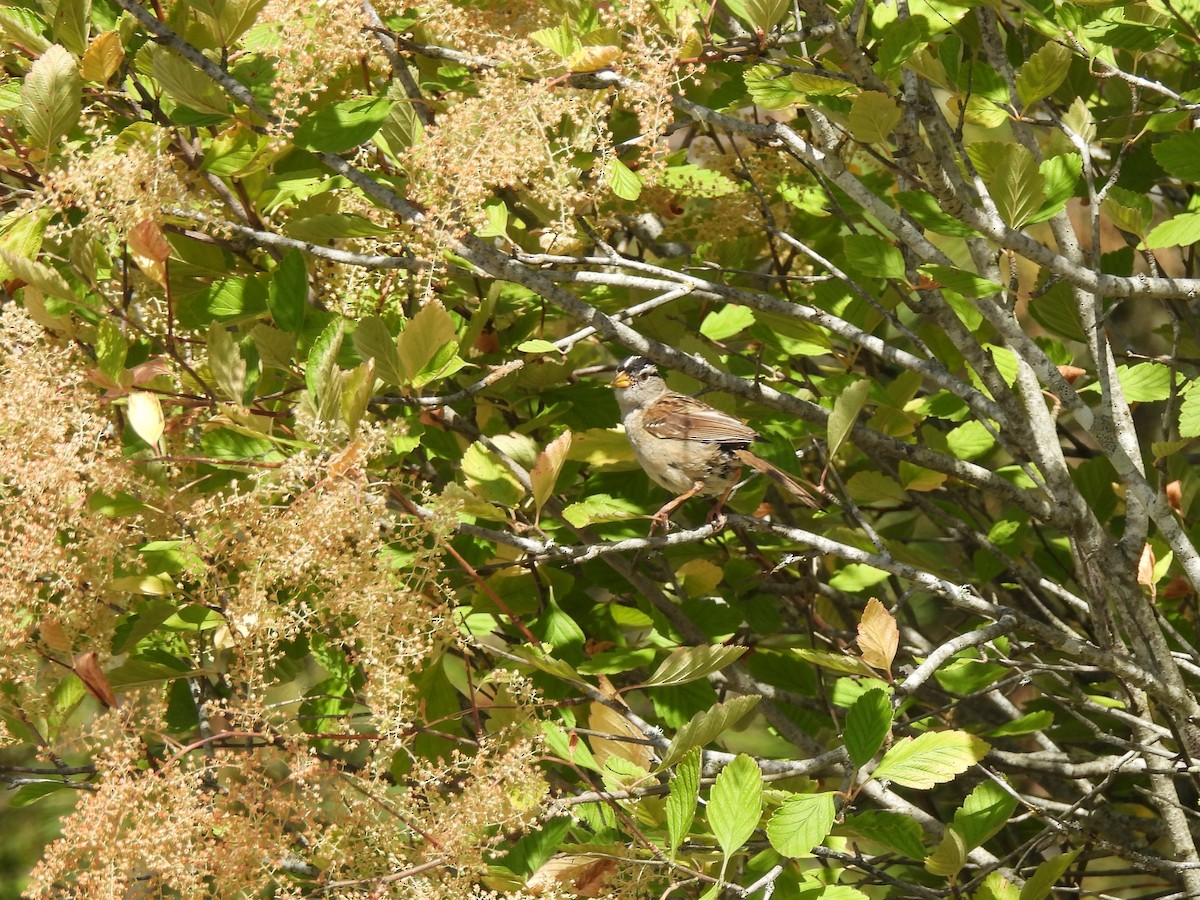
x=685, y=445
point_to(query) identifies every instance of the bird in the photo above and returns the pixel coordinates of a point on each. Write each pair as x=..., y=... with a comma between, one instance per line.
x=686, y=446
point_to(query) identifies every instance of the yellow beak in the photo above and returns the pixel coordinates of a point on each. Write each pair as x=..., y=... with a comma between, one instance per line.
x=621, y=381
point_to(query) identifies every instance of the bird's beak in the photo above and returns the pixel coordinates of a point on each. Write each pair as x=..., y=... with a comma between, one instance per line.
x=621, y=381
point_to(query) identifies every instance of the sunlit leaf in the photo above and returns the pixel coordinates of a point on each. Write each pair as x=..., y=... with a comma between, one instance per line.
x=930, y=759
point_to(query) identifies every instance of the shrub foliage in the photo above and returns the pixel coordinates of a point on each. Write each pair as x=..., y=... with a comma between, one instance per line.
x=325, y=570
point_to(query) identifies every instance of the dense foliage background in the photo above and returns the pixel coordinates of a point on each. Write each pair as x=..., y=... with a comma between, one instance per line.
x=325, y=570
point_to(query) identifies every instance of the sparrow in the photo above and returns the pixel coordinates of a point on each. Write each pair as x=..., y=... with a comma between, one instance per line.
x=685, y=445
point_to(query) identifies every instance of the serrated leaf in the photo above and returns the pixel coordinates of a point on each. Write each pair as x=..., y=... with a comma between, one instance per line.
x=1145, y=382
x=226, y=363
x=924, y=207
x=186, y=84
x=686, y=664
x=878, y=636
x=836, y=662
x=846, y=408
x=1061, y=175
x=343, y=126
x=1013, y=179
x=895, y=830
x=428, y=332
x=949, y=857
x=1046, y=876
x=802, y=823
x=868, y=724
x=1189, y=415
x=626, y=743
x=735, y=803
x=51, y=97
x=1042, y=73
x=983, y=813
x=724, y=323
x=705, y=726
x=320, y=367
x=970, y=440
x=763, y=15
x=622, y=180
x=681, y=801
x=1182, y=230
x=873, y=117
x=145, y=416
x=489, y=477
x=1027, y=724
x=1179, y=154
x=931, y=759
x=287, y=292
x=600, y=508
x=544, y=474
x=769, y=89
x=996, y=887
x=21, y=234
x=355, y=393
x=374, y=340
x=966, y=283
x=593, y=59
x=872, y=256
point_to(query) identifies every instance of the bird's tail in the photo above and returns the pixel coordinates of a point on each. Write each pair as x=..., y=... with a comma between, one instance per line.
x=780, y=477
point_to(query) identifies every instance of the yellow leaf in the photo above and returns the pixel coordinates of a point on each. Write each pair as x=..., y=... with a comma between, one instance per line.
x=592, y=59
x=103, y=58
x=608, y=721
x=145, y=416
x=544, y=474
x=878, y=636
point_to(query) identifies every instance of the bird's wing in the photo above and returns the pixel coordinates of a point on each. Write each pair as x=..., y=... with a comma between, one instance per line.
x=680, y=417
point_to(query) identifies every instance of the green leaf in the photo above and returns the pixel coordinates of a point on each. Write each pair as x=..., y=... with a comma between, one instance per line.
x=1046, y=876
x=895, y=830
x=966, y=283
x=622, y=180
x=1061, y=175
x=497, y=220
x=770, y=89
x=931, y=759
x=1189, y=414
x=70, y=24
x=686, y=664
x=343, y=126
x=983, y=813
x=949, y=857
x=872, y=256
x=846, y=408
x=873, y=117
x=544, y=474
x=21, y=234
x=322, y=363
x=428, y=332
x=724, y=323
x=763, y=15
x=901, y=37
x=1042, y=73
x=51, y=97
x=705, y=726
x=868, y=724
x=1179, y=154
x=1027, y=724
x=996, y=887
x=600, y=508
x=1128, y=210
x=287, y=292
x=735, y=804
x=1145, y=382
x=186, y=84
x=802, y=823
x=1013, y=179
x=28, y=794
x=970, y=440
x=111, y=348
x=1182, y=230
x=490, y=477
x=373, y=340
x=836, y=662
x=923, y=207
x=225, y=363
x=681, y=802
x=1057, y=312
x=537, y=345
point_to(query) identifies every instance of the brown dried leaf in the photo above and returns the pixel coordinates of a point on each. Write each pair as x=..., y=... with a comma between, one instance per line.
x=87, y=667
x=53, y=636
x=606, y=720
x=544, y=475
x=1175, y=496
x=878, y=636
